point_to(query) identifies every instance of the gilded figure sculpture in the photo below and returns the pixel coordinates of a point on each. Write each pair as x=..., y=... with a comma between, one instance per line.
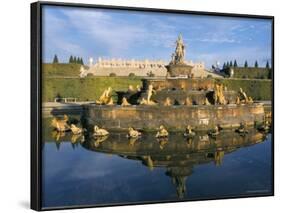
x=75, y=130
x=133, y=133
x=162, y=132
x=99, y=132
x=187, y=102
x=105, y=97
x=167, y=102
x=189, y=132
x=125, y=102
x=60, y=125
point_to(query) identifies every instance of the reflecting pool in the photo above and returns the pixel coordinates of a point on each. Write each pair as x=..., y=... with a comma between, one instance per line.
x=81, y=170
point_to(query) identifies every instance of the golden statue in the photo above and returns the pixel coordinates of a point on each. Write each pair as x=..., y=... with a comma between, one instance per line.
x=75, y=130
x=237, y=100
x=167, y=102
x=125, y=102
x=132, y=133
x=189, y=132
x=99, y=132
x=131, y=88
x=250, y=100
x=138, y=88
x=187, y=102
x=244, y=95
x=147, y=100
x=218, y=94
x=162, y=132
x=110, y=102
x=143, y=102
x=60, y=125
x=105, y=97
x=207, y=102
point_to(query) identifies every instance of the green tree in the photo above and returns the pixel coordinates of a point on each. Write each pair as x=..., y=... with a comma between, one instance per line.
x=256, y=64
x=131, y=75
x=78, y=60
x=246, y=64
x=227, y=64
x=224, y=66
x=230, y=64
x=70, y=60
x=55, y=60
x=267, y=65
x=75, y=60
x=81, y=61
x=235, y=63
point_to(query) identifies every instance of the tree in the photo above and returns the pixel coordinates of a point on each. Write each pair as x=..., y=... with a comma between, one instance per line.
x=267, y=65
x=78, y=60
x=75, y=60
x=70, y=59
x=224, y=66
x=235, y=63
x=55, y=60
x=246, y=64
x=81, y=61
x=227, y=64
x=256, y=64
x=112, y=74
x=131, y=75
x=230, y=64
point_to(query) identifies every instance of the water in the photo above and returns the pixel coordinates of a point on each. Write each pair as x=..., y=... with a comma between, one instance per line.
x=84, y=171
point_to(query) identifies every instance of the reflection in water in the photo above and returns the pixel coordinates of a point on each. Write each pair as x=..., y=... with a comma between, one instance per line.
x=176, y=156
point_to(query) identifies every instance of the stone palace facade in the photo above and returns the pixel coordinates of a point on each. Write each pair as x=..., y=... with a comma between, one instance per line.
x=122, y=67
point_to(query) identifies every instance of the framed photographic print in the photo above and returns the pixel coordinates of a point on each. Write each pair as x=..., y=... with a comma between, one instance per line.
x=140, y=105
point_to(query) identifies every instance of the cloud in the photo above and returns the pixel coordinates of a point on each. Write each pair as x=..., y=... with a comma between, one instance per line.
x=111, y=33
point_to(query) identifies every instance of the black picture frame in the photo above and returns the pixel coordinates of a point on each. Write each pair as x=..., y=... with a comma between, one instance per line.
x=36, y=92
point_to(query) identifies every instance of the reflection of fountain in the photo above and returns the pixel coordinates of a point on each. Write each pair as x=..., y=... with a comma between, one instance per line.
x=179, y=176
x=177, y=155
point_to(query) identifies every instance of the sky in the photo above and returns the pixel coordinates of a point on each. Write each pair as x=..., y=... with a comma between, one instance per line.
x=107, y=33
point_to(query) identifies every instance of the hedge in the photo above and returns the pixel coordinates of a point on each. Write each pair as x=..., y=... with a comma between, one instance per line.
x=89, y=89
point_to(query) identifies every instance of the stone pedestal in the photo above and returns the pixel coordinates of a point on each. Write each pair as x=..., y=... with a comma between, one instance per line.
x=175, y=70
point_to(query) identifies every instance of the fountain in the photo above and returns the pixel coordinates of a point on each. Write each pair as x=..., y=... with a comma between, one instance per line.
x=176, y=101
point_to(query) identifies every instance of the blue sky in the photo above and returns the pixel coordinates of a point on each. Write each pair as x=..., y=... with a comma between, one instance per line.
x=144, y=35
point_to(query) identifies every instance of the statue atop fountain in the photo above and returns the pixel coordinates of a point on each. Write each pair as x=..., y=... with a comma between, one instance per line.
x=177, y=66
x=178, y=56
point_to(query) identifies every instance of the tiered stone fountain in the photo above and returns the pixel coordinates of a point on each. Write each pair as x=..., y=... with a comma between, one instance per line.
x=175, y=102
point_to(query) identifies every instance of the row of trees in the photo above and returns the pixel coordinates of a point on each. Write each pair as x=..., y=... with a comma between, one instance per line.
x=234, y=64
x=72, y=60
x=75, y=60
